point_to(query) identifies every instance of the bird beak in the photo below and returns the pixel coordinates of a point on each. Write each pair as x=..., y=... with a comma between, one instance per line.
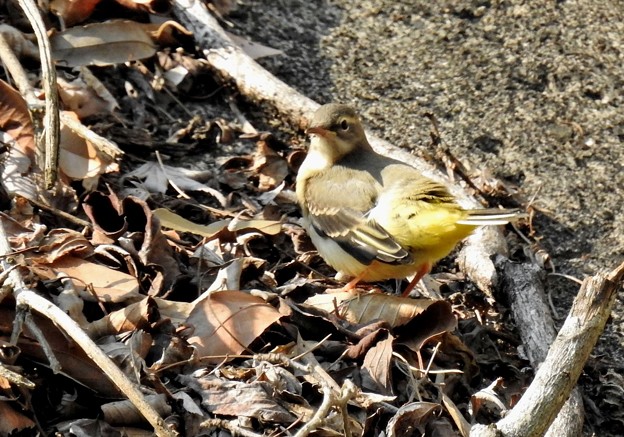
x=317, y=131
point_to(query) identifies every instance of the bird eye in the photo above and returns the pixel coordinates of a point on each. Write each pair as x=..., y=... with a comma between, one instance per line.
x=344, y=125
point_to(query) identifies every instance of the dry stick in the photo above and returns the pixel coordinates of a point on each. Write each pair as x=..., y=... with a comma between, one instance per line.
x=523, y=288
x=258, y=85
x=29, y=299
x=12, y=64
x=560, y=370
x=48, y=73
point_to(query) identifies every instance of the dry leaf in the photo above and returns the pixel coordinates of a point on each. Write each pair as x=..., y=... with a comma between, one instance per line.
x=73, y=11
x=19, y=134
x=253, y=49
x=364, y=308
x=125, y=413
x=411, y=419
x=18, y=42
x=376, y=375
x=129, y=318
x=436, y=319
x=238, y=399
x=12, y=421
x=108, y=43
x=80, y=160
x=74, y=362
x=86, y=95
x=226, y=322
x=108, y=285
x=171, y=220
x=156, y=179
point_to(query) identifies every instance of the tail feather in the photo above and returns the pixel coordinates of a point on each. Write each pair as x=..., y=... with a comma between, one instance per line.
x=492, y=216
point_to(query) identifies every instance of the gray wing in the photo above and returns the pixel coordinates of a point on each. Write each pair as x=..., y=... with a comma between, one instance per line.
x=338, y=203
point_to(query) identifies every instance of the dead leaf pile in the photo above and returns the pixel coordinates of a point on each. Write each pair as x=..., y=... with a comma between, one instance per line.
x=192, y=273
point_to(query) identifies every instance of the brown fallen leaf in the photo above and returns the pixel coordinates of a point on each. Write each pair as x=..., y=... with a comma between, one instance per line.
x=12, y=421
x=171, y=220
x=269, y=166
x=107, y=284
x=364, y=308
x=239, y=399
x=411, y=419
x=226, y=322
x=437, y=319
x=131, y=217
x=108, y=43
x=85, y=95
x=135, y=316
x=376, y=371
x=74, y=362
x=73, y=11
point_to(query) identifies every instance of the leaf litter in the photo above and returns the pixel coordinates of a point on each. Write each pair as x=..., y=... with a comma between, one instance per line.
x=196, y=278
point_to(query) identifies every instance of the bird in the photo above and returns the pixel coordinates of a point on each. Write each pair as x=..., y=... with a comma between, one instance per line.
x=372, y=217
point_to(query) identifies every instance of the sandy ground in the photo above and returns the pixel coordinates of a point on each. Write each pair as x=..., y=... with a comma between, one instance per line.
x=531, y=92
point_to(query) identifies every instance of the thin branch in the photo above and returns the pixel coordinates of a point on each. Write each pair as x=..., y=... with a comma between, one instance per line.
x=48, y=72
x=559, y=372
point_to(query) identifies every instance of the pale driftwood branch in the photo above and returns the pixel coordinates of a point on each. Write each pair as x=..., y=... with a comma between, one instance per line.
x=522, y=285
x=48, y=73
x=29, y=299
x=260, y=86
x=564, y=362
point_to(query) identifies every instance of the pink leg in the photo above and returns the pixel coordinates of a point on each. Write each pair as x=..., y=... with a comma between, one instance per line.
x=422, y=271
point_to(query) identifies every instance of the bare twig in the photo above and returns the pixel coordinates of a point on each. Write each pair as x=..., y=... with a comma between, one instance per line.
x=232, y=427
x=561, y=368
x=321, y=412
x=48, y=72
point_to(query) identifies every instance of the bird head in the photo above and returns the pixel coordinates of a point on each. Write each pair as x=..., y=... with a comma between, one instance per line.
x=336, y=131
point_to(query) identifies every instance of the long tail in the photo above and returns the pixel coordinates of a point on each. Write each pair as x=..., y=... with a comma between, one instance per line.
x=492, y=216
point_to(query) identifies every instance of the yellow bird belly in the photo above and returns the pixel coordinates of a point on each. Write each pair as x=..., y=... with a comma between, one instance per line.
x=428, y=230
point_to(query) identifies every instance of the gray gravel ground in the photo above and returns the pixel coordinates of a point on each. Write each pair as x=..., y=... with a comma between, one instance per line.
x=531, y=92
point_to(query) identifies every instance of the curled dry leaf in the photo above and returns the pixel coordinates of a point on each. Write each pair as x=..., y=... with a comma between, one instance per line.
x=108, y=43
x=73, y=11
x=107, y=284
x=364, y=308
x=130, y=221
x=226, y=322
x=411, y=419
x=171, y=220
x=12, y=421
x=74, y=362
x=79, y=158
x=86, y=95
x=156, y=178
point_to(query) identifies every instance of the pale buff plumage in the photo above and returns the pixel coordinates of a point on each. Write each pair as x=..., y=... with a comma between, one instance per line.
x=373, y=217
